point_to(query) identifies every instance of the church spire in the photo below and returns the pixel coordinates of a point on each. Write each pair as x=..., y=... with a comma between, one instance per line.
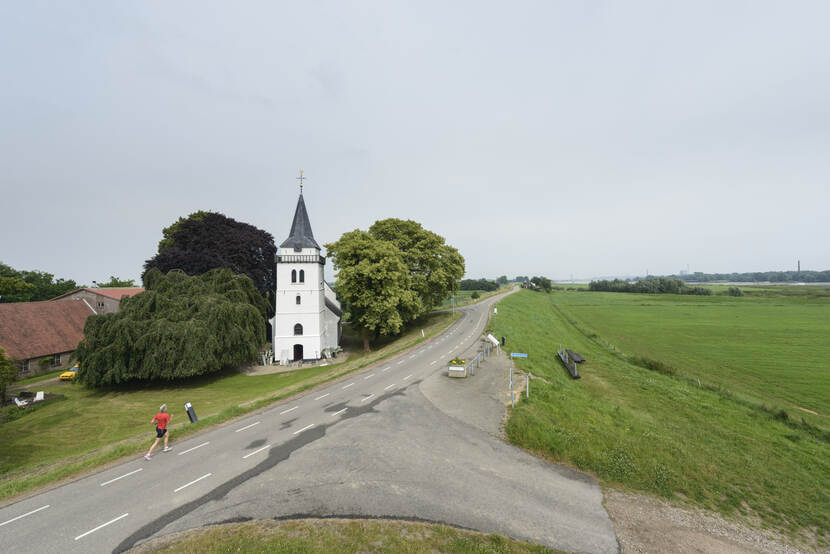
x=301, y=235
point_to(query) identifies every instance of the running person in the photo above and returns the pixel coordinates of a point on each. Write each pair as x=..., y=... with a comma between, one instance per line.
x=161, y=420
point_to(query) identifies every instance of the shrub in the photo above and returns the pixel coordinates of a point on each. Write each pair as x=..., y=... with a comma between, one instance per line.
x=475, y=295
x=735, y=291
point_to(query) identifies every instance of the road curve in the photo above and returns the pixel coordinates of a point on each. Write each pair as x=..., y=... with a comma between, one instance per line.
x=368, y=446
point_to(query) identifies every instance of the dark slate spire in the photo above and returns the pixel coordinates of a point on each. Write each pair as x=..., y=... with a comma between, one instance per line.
x=301, y=235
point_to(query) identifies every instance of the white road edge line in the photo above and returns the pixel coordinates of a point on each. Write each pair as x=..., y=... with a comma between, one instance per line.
x=195, y=447
x=304, y=428
x=256, y=451
x=347, y=386
x=206, y=475
x=248, y=426
x=340, y=412
x=105, y=483
x=321, y=397
x=122, y=516
x=24, y=515
x=389, y=387
x=368, y=397
x=407, y=377
x=289, y=410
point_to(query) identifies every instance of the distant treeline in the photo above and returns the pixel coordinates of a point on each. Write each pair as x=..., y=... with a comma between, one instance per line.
x=771, y=276
x=478, y=284
x=652, y=285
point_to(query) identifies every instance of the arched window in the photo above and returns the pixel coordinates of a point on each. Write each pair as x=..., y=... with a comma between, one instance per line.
x=302, y=276
x=298, y=299
x=293, y=275
x=298, y=329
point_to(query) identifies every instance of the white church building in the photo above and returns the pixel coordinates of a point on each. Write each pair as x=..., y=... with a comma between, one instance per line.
x=306, y=324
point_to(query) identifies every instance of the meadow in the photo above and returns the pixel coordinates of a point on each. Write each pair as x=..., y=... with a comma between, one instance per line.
x=645, y=430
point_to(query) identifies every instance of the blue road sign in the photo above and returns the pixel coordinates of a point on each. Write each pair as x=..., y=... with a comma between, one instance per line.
x=518, y=355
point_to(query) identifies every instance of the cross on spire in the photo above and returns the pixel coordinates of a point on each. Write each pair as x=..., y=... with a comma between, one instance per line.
x=301, y=178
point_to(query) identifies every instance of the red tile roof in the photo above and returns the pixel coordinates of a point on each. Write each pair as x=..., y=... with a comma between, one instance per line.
x=36, y=329
x=117, y=293
x=110, y=292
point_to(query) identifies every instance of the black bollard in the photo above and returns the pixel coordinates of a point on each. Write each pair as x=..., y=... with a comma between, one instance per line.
x=191, y=413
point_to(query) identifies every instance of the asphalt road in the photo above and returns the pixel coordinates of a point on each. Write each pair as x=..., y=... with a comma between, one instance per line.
x=371, y=445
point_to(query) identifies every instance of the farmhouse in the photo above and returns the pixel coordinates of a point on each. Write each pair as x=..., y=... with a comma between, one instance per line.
x=103, y=300
x=306, y=324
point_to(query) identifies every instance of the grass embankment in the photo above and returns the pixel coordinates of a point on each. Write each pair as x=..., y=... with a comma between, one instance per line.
x=88, y=427
x=333, y=535
x=658, y=433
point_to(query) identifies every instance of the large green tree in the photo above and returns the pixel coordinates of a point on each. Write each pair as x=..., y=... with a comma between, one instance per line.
x=207, y=240
x=39, y=285
x=8, y=373
x=181, y=326
x=374, y=284
x=435, y=266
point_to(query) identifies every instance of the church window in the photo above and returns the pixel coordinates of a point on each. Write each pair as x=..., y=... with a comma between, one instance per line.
x=298, y=299
x=293, y=275
x=302, y=276
x=298, y=329
x=298, y=249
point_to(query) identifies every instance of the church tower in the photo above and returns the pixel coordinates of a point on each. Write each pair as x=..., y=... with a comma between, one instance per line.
x=306, y=325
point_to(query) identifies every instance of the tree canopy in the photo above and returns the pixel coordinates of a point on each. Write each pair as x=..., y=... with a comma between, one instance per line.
x=207, y=240
x=374, y=284
x=115, y=282
x=181, y=326
x=31, y=286
x=434, y=266
x=478, y=284
x=8, y=373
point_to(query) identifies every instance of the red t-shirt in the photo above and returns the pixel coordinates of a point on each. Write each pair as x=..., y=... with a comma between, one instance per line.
x=162, y=419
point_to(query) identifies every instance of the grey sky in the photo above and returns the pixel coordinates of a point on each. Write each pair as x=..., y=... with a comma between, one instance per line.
x=551, y=138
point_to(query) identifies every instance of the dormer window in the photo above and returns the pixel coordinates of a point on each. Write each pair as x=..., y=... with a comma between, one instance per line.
x=298, y=249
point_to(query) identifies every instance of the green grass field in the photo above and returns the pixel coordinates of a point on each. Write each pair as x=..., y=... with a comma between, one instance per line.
x=332, y=535
x=769, y=350
x=646, y=431
x=90, y=427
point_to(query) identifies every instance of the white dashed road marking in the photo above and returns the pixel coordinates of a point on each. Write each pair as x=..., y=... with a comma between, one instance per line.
x=105, y=483
x=256, y=451
x=303, y=429
x=407, y=377
x=248, y=426
x=289, y=410
x=387, y=368
x=194, y=448
x=122, y=516
x=340, y=412
x=205, y=476
x=347, y=386
x=321, y=397
x=369, y=376
x=367, y=398
x=389, y=387
x=433, y=362
x=24, y=515
x=402, y=361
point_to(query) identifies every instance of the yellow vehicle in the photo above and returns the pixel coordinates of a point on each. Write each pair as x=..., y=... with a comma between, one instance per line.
x=70, y=373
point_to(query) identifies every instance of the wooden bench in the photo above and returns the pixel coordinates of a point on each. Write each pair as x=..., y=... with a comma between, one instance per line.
x=575, y=356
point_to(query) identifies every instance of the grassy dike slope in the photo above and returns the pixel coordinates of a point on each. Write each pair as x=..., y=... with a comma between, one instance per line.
x=650, y=432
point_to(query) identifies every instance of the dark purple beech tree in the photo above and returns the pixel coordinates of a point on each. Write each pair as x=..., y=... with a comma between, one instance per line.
x=208, y=240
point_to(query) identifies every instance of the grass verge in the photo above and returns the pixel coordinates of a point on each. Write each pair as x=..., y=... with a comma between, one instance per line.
x=89, y=428
x=644, y=430
x=339, y=535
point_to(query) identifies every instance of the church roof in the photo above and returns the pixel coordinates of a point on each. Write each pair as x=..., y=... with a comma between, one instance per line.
x=301, y=235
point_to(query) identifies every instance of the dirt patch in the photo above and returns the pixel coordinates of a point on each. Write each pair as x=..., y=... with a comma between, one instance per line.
x=646, y=524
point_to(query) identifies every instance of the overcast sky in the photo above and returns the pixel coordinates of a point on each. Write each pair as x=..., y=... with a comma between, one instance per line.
x=582, y=138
